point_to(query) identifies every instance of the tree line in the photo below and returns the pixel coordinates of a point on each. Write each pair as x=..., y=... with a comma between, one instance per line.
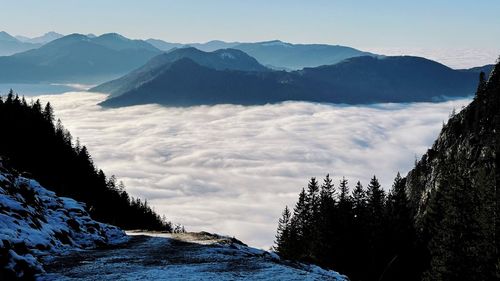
x=365, y=233
x=33, y=142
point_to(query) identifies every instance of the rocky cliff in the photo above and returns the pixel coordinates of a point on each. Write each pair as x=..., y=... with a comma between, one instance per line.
x=453, y=190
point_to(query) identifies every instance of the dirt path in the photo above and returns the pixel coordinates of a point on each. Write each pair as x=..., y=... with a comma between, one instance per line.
x=182, y=257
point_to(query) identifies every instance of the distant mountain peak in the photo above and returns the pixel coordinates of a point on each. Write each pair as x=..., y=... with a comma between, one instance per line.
x=220, y=59
x=113, y=35
x=186, y=49
x=275, y=43
x=4, y=36
x=74, y=37
x=43, y=39
x=216, y=41
x=181, y=60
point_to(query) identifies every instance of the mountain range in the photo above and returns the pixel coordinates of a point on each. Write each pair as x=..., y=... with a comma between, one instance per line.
x=224, y=59
x=227, y=72
x=10, y=45
x=77, y=58
x=188, y=76
x=276, y=54
x=43, y=39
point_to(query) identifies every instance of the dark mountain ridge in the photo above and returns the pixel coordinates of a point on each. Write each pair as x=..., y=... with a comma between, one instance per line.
x=390, y=79
x=223, y=59
x=358, y=80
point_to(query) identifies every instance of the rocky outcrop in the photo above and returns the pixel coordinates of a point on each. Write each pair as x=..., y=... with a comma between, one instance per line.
x=454, y=193
x=35, y=222
x=470, y=139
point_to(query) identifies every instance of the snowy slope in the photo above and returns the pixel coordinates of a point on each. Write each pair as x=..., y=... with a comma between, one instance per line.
x=35, y=222
x=187, y=256
x=53, y=238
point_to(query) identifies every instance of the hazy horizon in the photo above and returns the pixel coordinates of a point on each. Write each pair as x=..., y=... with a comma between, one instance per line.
x=454, y=57
x=443, y=24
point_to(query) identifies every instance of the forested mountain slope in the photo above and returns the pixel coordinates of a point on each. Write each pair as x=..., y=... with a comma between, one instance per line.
x=186, y=77
x=223, y=59
x=33, y=143
x=454, y=190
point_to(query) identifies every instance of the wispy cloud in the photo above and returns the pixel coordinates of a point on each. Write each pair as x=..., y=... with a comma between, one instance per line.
x=231, y=169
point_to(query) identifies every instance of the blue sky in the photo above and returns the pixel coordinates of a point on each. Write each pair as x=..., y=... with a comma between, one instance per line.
x=391, y=23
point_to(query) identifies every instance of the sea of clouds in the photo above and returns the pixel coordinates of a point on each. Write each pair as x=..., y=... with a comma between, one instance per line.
x=457, y=58
x=231, y=169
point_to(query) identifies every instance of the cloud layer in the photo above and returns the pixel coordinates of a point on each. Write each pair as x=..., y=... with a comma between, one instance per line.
x=232, y=169
x=458, y=58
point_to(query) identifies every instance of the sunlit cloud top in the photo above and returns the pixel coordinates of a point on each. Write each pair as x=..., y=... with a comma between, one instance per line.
x=232, y=169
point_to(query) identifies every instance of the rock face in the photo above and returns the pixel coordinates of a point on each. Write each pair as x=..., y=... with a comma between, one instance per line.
x=470, y=136
x=454, y=190
x=35, y=222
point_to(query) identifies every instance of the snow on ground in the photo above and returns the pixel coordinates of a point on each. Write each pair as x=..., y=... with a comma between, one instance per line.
x=35, y=222
x=54, y=238
x=186, y=256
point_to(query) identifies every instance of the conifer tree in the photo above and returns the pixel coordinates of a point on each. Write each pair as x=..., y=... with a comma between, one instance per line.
x=324, y=244
x=48, y=113
x=313, y=202
x=343, y=232
x=37, y=106
x=375, y=198
x=359, y=200
x=481, y=85
x=344, y=192
x=298, y=224
x=311, y=229
x=327, y=188
x=301, y=216
x=283, y=234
